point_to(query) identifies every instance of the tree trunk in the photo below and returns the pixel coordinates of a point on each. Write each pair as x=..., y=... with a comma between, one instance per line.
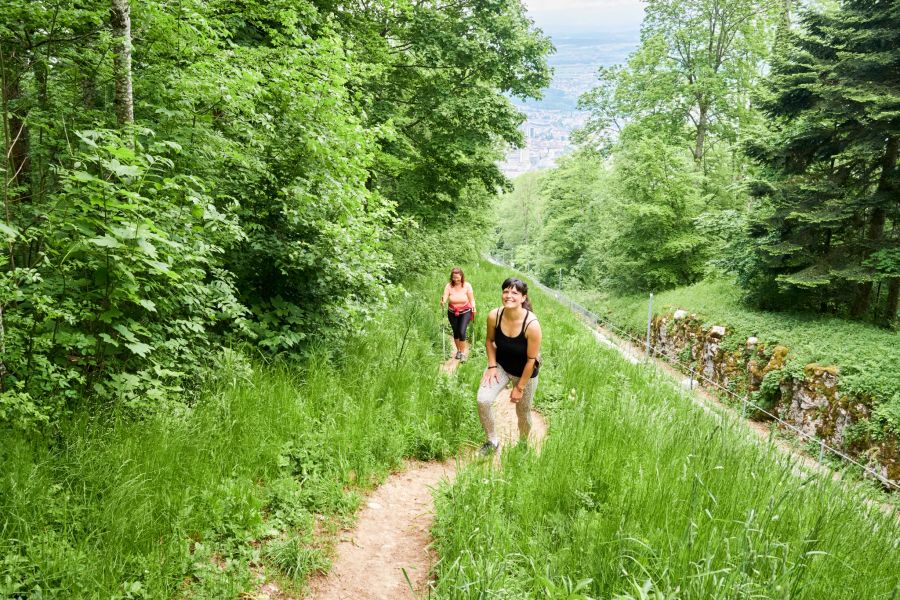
x=864, y=289
x=15, y=171
x=121, y=26
x=15, y=130
x=876, y=223
x=893, y=299
x=702, y=126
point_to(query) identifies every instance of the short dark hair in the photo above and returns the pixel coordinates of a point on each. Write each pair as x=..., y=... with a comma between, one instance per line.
x=521, y=287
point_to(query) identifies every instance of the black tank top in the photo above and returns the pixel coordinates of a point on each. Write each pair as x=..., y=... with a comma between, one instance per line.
x=512, y=352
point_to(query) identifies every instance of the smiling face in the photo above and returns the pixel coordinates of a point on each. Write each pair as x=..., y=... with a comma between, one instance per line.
x=512, y=297
x=456, y=278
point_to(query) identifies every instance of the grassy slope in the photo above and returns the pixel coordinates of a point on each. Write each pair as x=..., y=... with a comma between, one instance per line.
x=868, y=357
x=183, y=503
x=637, y=488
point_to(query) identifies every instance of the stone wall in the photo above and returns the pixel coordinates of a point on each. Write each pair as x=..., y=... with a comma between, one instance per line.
x=813, y=402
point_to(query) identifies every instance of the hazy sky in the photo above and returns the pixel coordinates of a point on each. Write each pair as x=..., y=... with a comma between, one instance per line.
x=568, y=17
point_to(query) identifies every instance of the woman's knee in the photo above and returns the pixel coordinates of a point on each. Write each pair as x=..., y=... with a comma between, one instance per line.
x=487, y=395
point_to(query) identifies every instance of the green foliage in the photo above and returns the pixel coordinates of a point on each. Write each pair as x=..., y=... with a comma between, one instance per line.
x=520, y=221
x=641, y=204
x=184, y=501
x=769, y=389
x=824, y=232
x=292, y=160
x=683, y=94
x=650, y=241
x=293, y=557
x=431, y=77
x=449, y=238
x=575, y=196
x=120, y=295
x=627, y=225
x=689, y=80
x=867, y=357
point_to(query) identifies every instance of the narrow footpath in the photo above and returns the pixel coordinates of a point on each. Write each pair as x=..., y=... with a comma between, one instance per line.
x=388, y=554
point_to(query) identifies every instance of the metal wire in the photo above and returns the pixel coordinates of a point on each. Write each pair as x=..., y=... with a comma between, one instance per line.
x=640, y=346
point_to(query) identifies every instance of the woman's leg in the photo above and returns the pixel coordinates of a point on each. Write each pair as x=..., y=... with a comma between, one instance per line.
x=523, y=406
x=454, y=326
x=487, y=394
x=465, y=318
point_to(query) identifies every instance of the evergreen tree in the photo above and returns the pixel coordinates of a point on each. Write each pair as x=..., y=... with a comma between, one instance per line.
x=826, y=234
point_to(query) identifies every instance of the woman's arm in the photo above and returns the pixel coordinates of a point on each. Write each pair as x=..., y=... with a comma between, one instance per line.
x=446, y=294
x=533, y=336
x=490, y=372
x=470, y=293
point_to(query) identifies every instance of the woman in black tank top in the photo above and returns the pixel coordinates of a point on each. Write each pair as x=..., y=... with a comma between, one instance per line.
x=513, y=344
x=512, y=352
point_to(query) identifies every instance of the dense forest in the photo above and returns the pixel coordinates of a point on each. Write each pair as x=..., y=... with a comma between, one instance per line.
x=179, y=176
x=226, y=227
x=755, y=141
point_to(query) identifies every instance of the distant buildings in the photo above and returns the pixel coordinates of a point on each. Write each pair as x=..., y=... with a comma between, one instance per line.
x=547, y=135
x=550, y=121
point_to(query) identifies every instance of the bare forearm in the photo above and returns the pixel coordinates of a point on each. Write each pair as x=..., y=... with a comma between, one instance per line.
x=526, y=373
x=491, y=352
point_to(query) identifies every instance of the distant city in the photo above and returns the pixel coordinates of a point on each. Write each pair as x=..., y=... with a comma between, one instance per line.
x=550, y=121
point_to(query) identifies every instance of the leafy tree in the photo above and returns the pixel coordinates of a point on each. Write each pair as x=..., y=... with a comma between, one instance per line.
x=647, y=239
x=261, y=178
x=691, y=77
x=688, y=86
x=435, y=77
x=574, y=192
x=520, y=221
x=826, y=231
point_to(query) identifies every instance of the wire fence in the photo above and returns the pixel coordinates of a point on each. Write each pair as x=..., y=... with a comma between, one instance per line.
x=649, y=351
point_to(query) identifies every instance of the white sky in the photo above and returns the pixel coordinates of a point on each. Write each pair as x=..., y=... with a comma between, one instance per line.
x=562, y=17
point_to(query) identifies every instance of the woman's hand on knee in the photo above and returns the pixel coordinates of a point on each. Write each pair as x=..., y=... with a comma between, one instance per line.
x=490, y=375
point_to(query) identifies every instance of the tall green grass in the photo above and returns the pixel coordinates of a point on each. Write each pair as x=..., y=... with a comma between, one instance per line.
x=638, y=493
x=196, y=501
x=868, y=356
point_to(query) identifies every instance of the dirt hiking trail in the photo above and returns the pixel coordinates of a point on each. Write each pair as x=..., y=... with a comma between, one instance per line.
x=392, y=534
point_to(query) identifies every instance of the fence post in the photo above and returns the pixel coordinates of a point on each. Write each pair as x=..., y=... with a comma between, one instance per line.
x=692, y=377
x=821, y=451
x=744, y=408
x=649, y=323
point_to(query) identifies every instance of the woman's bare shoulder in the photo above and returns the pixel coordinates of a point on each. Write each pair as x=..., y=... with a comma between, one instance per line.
x=532, y=324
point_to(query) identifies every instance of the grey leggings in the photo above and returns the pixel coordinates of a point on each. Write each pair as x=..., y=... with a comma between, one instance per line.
x=487, y=394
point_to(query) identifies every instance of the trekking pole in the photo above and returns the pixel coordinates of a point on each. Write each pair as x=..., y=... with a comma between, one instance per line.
x=474, y=333
x=441, y=331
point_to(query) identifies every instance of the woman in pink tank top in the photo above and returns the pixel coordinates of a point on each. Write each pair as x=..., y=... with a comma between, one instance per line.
x=460, y=300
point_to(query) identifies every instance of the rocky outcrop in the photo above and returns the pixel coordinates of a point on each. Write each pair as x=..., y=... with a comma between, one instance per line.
x=811, y=401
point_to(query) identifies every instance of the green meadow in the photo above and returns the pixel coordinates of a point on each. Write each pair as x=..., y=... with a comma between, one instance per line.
x=197, y=501
x=868, y=356
x=639, y=493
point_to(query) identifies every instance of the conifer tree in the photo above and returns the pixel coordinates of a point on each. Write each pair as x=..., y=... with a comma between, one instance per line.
x=826, y=229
